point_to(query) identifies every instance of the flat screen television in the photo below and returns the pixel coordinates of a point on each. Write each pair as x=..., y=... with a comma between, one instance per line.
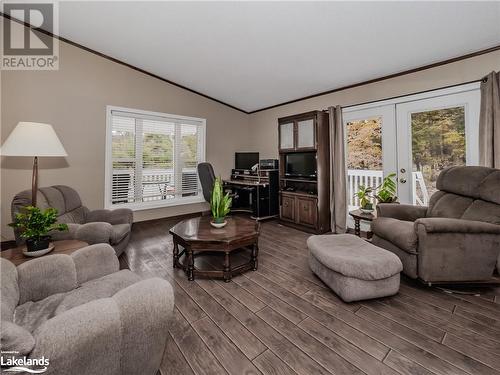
x=245, y=160
x=301, y=164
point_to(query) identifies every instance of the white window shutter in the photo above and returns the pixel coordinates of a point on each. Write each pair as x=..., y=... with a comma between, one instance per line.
x=154, y=158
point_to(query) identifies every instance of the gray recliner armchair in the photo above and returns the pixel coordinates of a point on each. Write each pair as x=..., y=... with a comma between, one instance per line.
x=456, y=238
x=98, y=226
x=83, y=314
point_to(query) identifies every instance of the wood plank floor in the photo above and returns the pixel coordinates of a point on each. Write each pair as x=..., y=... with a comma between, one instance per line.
x=281, y=319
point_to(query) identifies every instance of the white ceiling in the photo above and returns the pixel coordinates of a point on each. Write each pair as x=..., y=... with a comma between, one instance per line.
x=257, y=54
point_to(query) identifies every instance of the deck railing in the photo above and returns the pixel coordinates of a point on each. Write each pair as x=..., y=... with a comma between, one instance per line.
x=373, y=178
x=156, y=184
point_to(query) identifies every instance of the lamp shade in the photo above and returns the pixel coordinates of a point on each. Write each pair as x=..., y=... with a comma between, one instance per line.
x=33, y=139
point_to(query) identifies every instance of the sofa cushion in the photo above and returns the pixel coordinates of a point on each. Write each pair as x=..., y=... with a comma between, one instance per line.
x=465, y=181
x=483, y=211
x=443, y=204
x=9, y=289
x=352, y=256
x=76, y=216
x=42, y=277
x=400, y=233
x=103, y=287
x=119, y=232
x=15, y=338
x=71, y=197
x=31, y=315
x=489, y=189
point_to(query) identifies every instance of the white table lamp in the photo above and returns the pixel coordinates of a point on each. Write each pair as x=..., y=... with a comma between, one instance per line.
x=33, y=139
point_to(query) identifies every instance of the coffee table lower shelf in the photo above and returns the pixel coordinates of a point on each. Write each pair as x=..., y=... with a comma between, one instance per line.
x=227, y=272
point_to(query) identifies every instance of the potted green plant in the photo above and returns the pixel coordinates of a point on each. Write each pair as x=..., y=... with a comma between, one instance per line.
x=364, y=197
x=35, y=225
x=220, y=204
x=386, y=191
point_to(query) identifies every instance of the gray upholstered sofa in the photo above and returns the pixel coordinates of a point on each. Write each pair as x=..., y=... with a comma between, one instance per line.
x=84, y=315
x=98, y=226
x=456, y=238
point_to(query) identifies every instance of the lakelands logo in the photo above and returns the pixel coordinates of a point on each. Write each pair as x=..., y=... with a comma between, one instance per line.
x=33, y=47
x=11, y=362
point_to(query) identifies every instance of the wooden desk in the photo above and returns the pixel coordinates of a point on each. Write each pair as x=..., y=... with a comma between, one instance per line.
x=17, y=257
x=258, y=194
x=245, y=182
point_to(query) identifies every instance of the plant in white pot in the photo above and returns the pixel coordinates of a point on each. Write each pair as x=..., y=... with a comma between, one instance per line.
x=220, y=204
x=35, y=225
x=364, y=197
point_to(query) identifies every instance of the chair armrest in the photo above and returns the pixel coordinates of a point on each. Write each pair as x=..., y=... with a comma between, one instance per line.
x=42, y=277
x=406, y=212
x=97, y=232
x=145, y=309
x=124, y=334
x=117, y=216
x=447, y=225
x=92, y=262
x=84, y=340
x=69, y=234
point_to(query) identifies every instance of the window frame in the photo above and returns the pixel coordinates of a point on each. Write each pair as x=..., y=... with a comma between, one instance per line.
x=108, y=170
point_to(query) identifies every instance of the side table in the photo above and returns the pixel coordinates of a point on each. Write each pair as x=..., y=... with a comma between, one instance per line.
x=17, y=257
x=358, y=216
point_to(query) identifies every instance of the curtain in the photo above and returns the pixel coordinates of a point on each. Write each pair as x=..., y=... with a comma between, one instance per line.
x=489, y=121
x=338, y=177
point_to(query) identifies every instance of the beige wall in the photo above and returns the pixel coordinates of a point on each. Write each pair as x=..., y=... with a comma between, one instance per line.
x=264, y=125
x=74, y=101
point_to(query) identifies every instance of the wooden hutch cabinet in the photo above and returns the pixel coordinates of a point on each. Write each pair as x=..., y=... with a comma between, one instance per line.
x=305, y=198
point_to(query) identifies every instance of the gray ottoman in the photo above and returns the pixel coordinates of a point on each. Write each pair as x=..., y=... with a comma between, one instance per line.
x=354, y=268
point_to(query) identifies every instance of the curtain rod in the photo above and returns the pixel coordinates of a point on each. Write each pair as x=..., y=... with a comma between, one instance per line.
x=483, y=80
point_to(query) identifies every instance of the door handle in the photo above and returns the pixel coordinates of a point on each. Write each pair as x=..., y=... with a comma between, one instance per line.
x=402, y=180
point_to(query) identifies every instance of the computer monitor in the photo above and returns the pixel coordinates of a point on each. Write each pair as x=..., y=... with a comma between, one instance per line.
x=245, y=160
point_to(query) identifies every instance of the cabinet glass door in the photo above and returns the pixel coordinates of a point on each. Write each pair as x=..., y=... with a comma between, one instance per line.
x=286, y=136
x=305, y=134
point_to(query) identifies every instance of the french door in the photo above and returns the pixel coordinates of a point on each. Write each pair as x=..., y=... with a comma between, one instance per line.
x=371, y=155
x=415, y=137
x=433, y=134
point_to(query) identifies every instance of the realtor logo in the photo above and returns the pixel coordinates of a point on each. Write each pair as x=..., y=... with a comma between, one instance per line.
x=27, y=36
x=12, y=362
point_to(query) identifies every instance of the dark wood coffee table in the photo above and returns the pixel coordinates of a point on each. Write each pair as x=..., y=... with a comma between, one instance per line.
x=197, y=237
x=17, y=257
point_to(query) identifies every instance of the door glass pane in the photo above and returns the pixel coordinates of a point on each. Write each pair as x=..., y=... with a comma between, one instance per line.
x=438, y=141
x=305, y=136
x=286, y=135
x=364, y=156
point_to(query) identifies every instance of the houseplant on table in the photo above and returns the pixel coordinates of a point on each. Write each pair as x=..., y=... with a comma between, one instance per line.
x=364, y=197
x=386, y=191
x=34, y=226
x=220, y=204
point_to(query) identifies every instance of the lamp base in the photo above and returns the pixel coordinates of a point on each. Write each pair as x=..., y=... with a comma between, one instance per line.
x=34, y=181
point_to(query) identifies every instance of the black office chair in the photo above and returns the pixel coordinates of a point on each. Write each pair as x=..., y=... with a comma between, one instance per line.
x=207, y=179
